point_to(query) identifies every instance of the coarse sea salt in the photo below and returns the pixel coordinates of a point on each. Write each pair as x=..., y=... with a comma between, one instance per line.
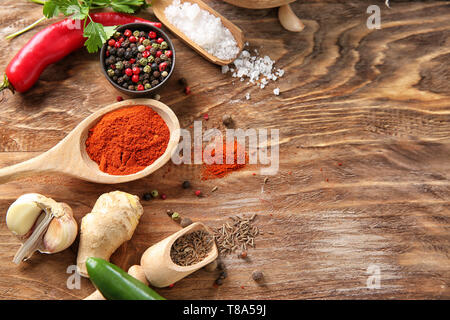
x=203, y=28
x=258, y=70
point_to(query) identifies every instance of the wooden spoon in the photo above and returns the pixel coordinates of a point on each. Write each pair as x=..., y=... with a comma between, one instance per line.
x=159, y=6
x=158, y=266
x=69, y=156
x=258, y=4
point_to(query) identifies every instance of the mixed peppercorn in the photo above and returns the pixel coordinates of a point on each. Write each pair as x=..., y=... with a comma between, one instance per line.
x=138, y=60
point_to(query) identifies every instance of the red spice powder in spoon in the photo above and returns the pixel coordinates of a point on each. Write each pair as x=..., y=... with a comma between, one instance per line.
x=127, y=140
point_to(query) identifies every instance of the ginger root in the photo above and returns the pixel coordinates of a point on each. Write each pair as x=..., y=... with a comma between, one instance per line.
x=112, y=221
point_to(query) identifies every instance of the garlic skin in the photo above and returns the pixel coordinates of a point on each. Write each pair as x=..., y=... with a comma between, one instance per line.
x=41, y=224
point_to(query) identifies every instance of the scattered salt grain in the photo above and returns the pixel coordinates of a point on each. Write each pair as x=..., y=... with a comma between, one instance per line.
x=258, y=70
x=280, y=72
x=276, y=91
x=247, y=96
x=263, y=83
x=225, y=69
x=203, y=28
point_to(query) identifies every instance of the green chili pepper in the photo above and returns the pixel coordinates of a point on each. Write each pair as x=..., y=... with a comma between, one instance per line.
x=116, y=284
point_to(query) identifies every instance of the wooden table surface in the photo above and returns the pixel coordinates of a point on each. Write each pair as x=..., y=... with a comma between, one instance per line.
x=364, y=156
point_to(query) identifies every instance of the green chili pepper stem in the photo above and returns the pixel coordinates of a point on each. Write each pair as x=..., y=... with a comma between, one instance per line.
x=6, y=84
x=31, y=26
x=115, y=284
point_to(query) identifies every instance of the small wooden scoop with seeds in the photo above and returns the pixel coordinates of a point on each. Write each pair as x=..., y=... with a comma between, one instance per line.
x=158, y=265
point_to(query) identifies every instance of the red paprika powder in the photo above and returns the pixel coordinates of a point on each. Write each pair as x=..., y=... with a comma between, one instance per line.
x=219, y=170
x=127, y=140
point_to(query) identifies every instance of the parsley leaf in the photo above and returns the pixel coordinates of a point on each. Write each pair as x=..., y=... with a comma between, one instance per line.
x=97, y=35
x=64, y=6
x=127, y=6
x=50, y=9
x=77, y=12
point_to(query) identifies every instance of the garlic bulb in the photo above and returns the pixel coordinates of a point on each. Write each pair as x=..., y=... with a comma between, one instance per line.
x=42, y=223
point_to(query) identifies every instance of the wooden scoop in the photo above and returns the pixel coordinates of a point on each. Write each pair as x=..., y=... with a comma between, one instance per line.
x=158, y=266
x=69, y=156
x=159, y=6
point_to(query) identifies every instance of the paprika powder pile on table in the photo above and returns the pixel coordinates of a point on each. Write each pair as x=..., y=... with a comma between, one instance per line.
x=127, y=140
x=219, y=170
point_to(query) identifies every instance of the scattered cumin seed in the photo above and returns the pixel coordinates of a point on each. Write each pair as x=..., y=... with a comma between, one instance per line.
x=236, y=234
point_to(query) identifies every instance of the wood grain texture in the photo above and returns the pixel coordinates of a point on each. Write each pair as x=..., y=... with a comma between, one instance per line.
x=364, y=119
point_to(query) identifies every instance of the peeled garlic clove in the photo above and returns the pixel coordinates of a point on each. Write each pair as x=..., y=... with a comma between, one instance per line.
x=61, y=232
x=289, y=20
x=22, y=215
x=43, y=223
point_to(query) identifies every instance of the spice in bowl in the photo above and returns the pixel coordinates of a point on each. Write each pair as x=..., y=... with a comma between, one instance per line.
x=127, y=140
x=138, y=60
x=191, y=248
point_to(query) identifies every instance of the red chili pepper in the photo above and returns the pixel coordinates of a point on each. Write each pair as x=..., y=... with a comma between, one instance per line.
x=51, y=45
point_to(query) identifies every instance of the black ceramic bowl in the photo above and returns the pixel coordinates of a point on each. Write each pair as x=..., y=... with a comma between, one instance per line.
x=141, y=27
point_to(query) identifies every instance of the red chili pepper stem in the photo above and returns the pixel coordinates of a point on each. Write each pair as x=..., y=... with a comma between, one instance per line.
x=6, y=84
